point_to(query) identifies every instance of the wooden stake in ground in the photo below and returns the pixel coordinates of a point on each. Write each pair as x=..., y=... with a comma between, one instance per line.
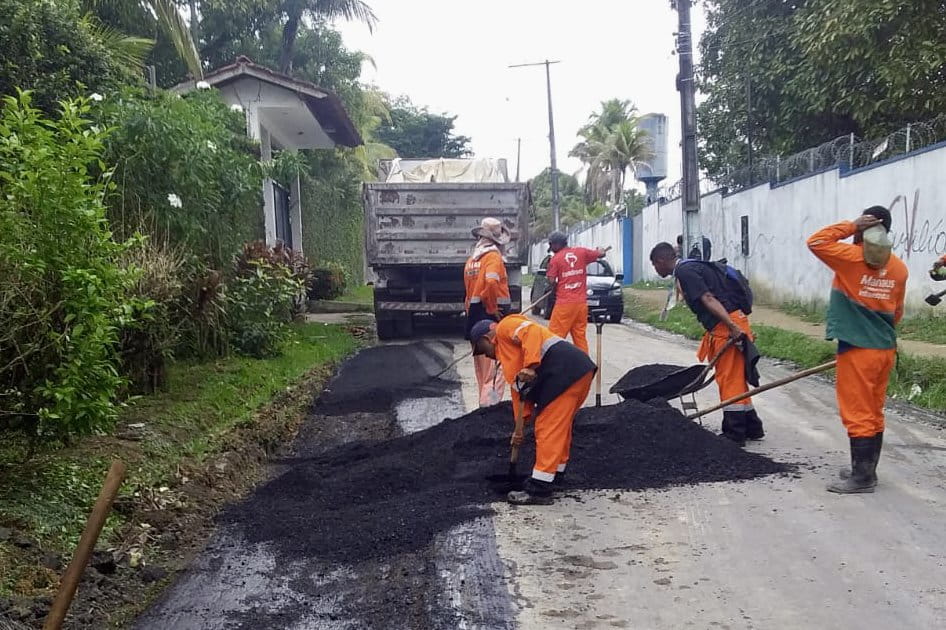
x=93, y=527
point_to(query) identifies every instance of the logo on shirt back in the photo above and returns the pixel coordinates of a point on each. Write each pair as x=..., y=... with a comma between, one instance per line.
x=877, y=288
x=571, y=259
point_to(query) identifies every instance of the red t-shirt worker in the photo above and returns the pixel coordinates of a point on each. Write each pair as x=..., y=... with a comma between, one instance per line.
x=567, y=271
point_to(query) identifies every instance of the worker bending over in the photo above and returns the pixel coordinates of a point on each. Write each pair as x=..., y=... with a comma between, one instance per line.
x=554, y=377
x=865, y=305
x=721, y=299
x=487, y=297
x=938, y=272
x=567, y=271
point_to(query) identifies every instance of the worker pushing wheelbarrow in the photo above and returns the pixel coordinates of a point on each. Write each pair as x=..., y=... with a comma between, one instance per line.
x=721, y=299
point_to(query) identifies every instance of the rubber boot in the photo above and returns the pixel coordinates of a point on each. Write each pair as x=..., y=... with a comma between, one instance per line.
x=559, y=483
x=754, y=430
x=862, y=469
x=734, y=426
x=845, y=473
x=534, y=492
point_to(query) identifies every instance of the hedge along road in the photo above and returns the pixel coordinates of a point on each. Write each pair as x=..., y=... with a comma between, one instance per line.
x=776, y=552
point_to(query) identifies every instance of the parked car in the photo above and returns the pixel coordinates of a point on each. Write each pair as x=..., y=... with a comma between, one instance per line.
x=604, y=290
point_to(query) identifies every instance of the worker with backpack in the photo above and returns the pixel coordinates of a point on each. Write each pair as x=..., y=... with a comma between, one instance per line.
x=721, y=298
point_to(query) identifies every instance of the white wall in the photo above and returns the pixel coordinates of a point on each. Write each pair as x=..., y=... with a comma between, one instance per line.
x=782, y=217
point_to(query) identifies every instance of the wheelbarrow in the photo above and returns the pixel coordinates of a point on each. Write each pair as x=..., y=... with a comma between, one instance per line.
x=683, y=382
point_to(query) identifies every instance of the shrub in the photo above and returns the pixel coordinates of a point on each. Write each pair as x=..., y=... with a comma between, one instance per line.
x=149, y=341
x=185, y=170
x=62, y=298
x=329, y=281
x=48, y=48
x=261, y=300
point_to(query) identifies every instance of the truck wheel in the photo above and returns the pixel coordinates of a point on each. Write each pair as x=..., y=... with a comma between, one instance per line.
x=404, y=326
x=386, y=329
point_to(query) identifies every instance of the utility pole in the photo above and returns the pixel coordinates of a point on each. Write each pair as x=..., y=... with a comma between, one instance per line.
x=553, y=174
x=692, y=235
x=518, y=156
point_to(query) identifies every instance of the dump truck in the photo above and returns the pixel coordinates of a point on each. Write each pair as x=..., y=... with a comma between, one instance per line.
x=418, y=236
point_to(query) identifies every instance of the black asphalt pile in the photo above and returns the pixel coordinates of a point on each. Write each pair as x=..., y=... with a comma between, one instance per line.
x=377, y=377
x=371, y=500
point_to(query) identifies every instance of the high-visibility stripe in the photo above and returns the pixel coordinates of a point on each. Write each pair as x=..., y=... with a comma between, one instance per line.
x=503, y=300
x=738, y=407
x=542, y=476
x=492, y=275
x=548, y=343
x=515, y=334
x=476, y=300
x=561, y=467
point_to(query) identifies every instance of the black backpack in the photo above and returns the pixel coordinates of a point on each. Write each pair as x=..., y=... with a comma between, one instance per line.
x=735, y=281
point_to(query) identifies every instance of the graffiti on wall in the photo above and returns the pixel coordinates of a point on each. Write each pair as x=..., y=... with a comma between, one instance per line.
x=926, y=237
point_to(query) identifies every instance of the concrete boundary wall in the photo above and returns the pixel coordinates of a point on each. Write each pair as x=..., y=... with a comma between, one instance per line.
x=762, y=230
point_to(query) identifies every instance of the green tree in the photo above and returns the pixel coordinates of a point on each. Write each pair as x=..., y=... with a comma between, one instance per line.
x=414, y=132
x=49, y=49
x=573, y=207
x=813, y=71
x=611, y=143
x=295, y=10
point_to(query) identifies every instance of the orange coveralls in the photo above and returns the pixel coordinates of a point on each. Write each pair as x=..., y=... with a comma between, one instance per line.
x=487, y=288
x=865, y=306
x=522, y=343
x=731, y=368
x=570, y=313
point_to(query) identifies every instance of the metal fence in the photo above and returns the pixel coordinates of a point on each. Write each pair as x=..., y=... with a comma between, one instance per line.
x=846, y=151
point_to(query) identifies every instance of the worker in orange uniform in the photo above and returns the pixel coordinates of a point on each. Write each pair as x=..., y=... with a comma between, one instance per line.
x=568, y=274
x=865, y=306
x=938, y=272
x=720, y=298
x=487, y=297
x=554, y=377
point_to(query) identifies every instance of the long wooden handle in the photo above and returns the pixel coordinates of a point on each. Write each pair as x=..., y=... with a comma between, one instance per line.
x=598, y=372
x=520, y=423
x=93, y=527
x=783, y=381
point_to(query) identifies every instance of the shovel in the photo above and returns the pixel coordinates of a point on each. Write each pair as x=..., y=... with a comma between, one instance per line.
x=598, y=317
x=935, y=298
x=758, y=390
x=512, y=478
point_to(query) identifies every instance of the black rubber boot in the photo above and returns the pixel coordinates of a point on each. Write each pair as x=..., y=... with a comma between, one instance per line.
x=878, y=445
x=862, y=477
x=559, y=483
x=534, y=492
x=734, y=426
x=754, y=430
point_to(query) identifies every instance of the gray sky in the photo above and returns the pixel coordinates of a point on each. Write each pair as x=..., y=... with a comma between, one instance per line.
x=452, y=57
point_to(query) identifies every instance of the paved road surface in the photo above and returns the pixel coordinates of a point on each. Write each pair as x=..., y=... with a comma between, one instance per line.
x=771, y=553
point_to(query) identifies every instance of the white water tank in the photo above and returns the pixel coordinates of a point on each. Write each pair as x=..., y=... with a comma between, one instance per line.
x=656, y=127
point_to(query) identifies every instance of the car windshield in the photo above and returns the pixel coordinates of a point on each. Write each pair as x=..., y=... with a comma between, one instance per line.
x=599, y=268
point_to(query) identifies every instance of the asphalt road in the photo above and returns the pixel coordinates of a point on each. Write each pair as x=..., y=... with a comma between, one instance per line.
x=771, y=553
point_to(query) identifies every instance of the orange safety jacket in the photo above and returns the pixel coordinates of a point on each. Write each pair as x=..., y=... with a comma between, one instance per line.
x=486, y=282
x=866, y=303
x=522, y=343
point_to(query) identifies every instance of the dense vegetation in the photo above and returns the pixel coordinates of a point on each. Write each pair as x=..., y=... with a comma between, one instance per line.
x=814, y=71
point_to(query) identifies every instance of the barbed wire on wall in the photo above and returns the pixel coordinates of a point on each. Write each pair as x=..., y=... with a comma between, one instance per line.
x=846, y=152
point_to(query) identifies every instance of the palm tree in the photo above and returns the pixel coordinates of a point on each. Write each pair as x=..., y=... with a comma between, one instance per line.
x=612, y=142
x=147, y=16
x=374, y=113
x=327, y=9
